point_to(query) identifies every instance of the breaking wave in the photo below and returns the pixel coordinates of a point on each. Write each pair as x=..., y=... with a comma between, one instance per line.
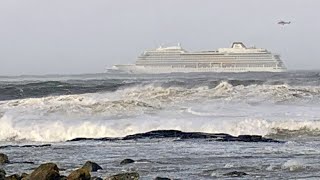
x=24, y=87
x=60, y=110
x=153, y=96
x=55, y=130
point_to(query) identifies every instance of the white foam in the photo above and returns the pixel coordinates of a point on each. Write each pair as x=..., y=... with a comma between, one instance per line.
x=198, y=113
x=49, y=130
x=223, y=109
x=294, y=165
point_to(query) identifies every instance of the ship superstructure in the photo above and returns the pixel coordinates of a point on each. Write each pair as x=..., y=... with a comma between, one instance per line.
x=238, y=58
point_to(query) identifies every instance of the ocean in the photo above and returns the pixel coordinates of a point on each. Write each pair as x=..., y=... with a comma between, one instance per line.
x=53, y=109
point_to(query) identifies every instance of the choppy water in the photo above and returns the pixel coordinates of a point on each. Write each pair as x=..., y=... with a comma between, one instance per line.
x=284, y=106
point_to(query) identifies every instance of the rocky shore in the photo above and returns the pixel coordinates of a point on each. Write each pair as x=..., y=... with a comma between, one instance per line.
x=51, y=171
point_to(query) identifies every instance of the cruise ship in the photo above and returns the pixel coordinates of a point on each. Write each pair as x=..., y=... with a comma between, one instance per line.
x=238, y=58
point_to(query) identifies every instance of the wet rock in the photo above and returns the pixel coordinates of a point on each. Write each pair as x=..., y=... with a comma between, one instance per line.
x=167, y=134
x=96, y=178
x=94, y=139
x=32, y=145
x=124, y=176
x=197, y=135
x=3, y=158
x=13, y=177
x=37, y=146
x=91, y=166
x=21, y=162
x=161, y=178
x=2, y=174
x=48, y=171
x=160, y=134
x=253, y=138
x=126, y=161
x=235, y=174
x=79, y=174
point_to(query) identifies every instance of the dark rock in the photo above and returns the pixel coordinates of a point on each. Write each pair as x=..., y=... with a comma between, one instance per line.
x=63, y=178
x=91, y=166
x=13, y=177
x=2, y=174
x=26, y=162
x=48, y=171
x=161, y=178
x=126, y=161
x=171, y=134
x=3, y=158
x=41, y=145
x=94, y=139
x=160, y=134
x=197, y=135
x=235, y=174
x=96, y=178
x=250, y=138
x=79, y=174
x=124, y=176
x=80, y=139
x=24, y=175
x=17, y=146
x=21, y=162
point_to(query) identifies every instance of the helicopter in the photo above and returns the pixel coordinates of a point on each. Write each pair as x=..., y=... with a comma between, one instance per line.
x=284, y=22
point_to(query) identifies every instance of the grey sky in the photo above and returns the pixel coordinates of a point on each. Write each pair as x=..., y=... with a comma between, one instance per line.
x=82, y=36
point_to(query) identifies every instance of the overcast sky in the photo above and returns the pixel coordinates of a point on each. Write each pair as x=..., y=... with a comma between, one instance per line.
x=86, y=36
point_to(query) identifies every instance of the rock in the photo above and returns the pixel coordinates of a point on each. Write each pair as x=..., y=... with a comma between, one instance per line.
x=91, y=166
x=124, y=176
x=94, y=139
x=161, y=134
x=79, y=174
x=3, y=158
x=48, y=171
x=2, y=174
x=13, y=177
x=24, y=175
x=126, y=161
x=63, y=178
x=161, y=178
x=24, y=146
x=235, y=174
x=96, y=178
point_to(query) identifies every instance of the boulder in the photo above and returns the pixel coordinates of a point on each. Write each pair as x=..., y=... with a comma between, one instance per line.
x=47, y=171
x=3, y=158
x=235, y=174
x=80, y=174
x=2, y=174
x=91, y=166
x=13, y=177
x=124, y=176
x=126, y=161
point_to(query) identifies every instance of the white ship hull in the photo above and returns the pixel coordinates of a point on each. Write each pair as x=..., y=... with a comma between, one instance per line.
x=131, y=68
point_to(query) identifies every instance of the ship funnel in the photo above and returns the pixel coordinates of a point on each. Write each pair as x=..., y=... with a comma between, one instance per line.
x=238, y=45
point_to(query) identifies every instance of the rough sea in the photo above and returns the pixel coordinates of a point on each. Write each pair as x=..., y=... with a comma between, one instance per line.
x=38, y=110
